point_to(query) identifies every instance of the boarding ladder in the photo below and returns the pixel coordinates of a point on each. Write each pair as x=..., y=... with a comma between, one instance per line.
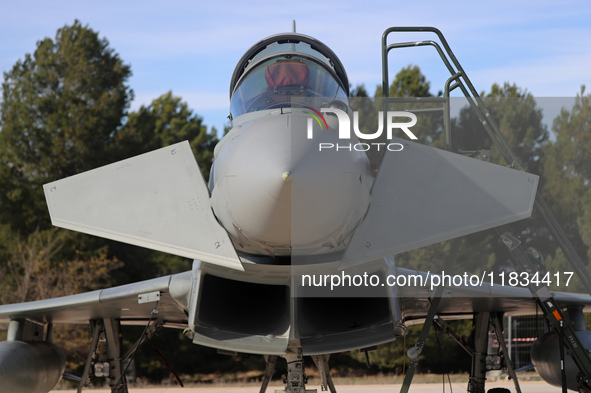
x=523, y=259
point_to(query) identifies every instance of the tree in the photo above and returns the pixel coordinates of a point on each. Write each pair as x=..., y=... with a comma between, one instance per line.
x=61, y=108
x=408, y=86
x=519, y=119
x=566, y=182
x=409, y=82
x=167, y=120
x=410, y=90
x=63, y=113
x=37, y=267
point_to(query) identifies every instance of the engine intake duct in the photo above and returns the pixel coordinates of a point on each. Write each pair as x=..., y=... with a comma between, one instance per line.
x=243, y=307
x=325, y=323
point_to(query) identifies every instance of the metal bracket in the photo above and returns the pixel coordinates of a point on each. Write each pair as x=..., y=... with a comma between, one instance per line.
x=148, y=297
x=24, y=329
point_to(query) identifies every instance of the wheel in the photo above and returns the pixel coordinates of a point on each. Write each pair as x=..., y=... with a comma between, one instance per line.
x=498, y=390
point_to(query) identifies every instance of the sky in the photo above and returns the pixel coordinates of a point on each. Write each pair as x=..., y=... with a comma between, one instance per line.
x=192, y=47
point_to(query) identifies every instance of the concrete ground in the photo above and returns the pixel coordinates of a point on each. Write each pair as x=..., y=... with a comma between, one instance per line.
x=526, y=387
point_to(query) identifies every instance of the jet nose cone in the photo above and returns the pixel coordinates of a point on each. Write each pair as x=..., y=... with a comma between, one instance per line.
x=274, y=189
x=329, y=189
x=252, y=195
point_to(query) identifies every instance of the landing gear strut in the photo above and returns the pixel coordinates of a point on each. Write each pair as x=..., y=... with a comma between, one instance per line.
x=295, y=380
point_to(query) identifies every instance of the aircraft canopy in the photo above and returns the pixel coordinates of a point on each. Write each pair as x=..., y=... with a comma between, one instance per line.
x=284, y=66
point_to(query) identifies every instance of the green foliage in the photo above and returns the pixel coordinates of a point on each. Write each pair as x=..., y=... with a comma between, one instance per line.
x=60, y=109
x=519, y=119
x=63, y=113
x=567, y=174
x=409, y=82
x=167, y=120
x=42, y=265
x=358, y=91
x=409, y=90
x=409, y=87
x=573, y=138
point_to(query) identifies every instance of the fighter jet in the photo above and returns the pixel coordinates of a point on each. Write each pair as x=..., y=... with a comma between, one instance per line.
x=294, y=204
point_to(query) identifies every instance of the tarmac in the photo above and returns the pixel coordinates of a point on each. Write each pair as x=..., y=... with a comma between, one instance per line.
x=526, y=387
